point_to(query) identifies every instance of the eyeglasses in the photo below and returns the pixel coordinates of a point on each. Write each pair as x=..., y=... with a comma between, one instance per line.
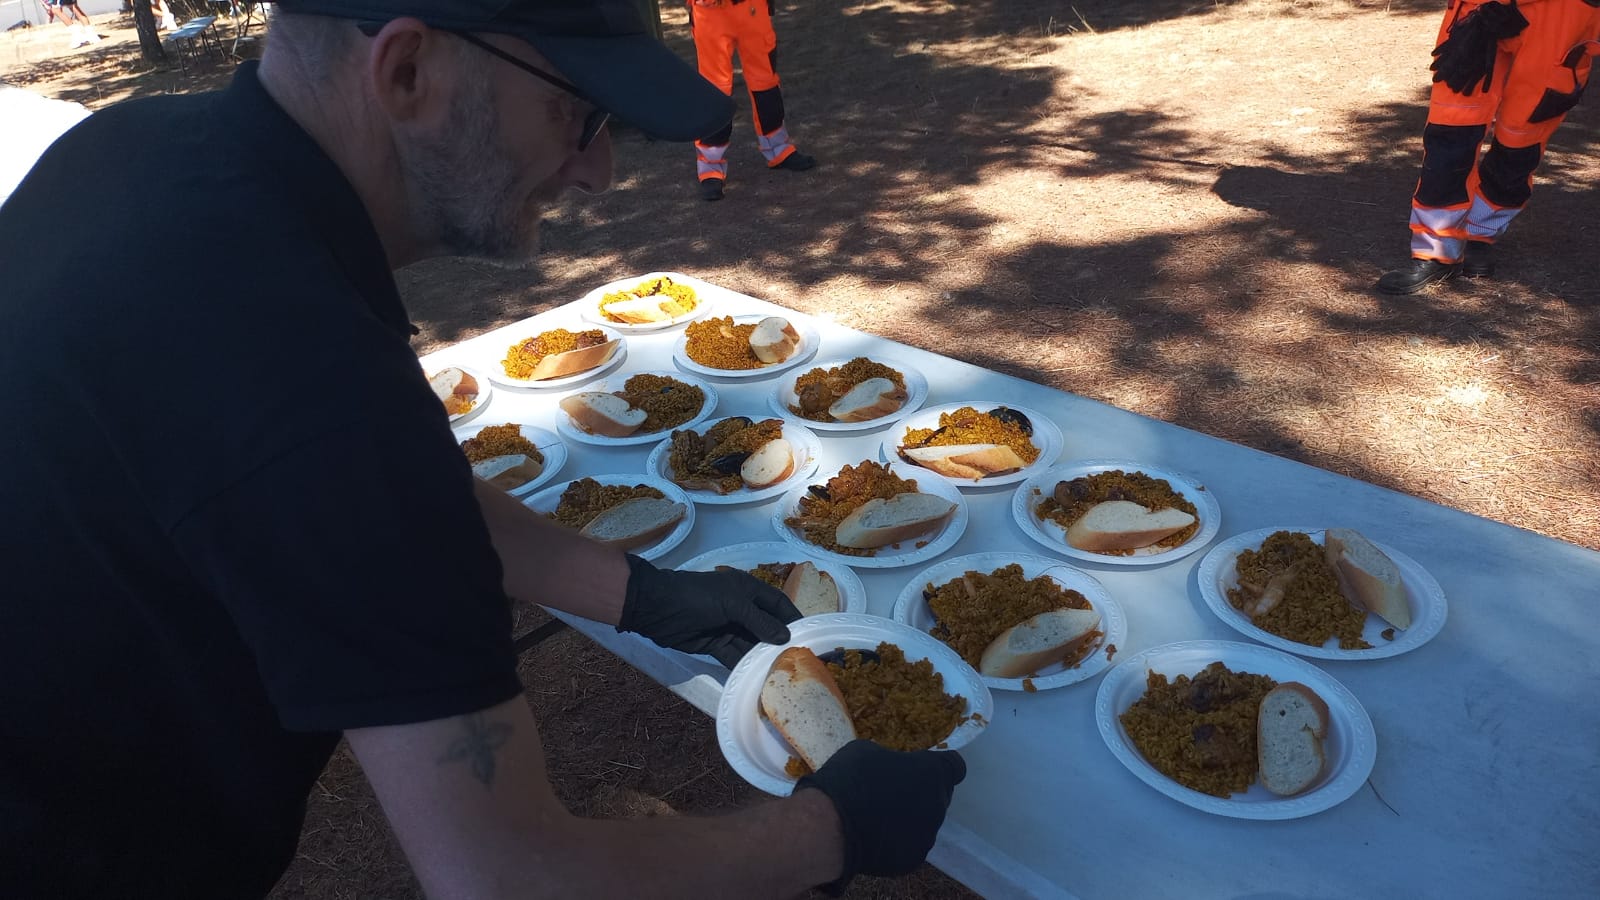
x=593, y=123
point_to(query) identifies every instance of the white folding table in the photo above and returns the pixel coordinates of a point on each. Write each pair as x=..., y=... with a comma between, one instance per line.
x=1487, y=781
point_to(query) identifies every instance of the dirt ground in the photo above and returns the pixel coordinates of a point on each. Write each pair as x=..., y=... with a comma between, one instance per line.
x=1178, y=208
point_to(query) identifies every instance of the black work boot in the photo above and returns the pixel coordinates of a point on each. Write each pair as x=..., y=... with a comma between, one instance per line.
x=1479, y=261
x=797, y=162
x=711, y=188
x=1416, y=275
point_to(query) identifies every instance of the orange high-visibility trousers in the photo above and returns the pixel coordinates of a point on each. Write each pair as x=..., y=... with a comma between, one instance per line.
x=1539, y=76
x=721, y=28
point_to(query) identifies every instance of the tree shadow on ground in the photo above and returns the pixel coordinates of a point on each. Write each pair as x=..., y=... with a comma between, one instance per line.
x=909, y=104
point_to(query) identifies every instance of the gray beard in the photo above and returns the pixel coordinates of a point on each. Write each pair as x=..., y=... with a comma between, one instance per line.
x=462, y=188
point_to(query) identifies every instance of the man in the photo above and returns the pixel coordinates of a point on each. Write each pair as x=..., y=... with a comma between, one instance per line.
x=212, y=573
x=721, y=27
x=1519, y=67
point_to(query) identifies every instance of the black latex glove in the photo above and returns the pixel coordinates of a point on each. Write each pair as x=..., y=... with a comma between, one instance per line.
x=890, y=804
x=722, y=613
x=1465, y=59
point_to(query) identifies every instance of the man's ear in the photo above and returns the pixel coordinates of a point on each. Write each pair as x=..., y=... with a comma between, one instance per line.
x=409, y=66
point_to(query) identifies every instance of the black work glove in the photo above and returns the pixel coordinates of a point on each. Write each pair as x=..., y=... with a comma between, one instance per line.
x=1465, y=59
x=722, y=613
x=890, y=804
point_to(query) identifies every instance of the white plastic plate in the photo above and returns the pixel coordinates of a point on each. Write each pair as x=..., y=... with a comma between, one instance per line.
x=852, y=593
x=591, y=303
x=807, y=450
x=913, y=610
x=895, y=555
x=809, y=342
x=1218, y=575
x=1053, y=537
x=555, y=453
x=572, y=432
x=1350, y=746
x=485, y=392
x=546, y=500
x=1046, y=436
x=756, y=750
x=497, y=371
x=916, y=387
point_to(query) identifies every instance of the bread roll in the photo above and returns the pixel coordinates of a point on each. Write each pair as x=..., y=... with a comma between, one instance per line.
x=811, y=590
x=637, y=310
x=1368, y=578
x=453, y=382
x=770, y=464
x=1124, y=525
x=1290, y=728
x=879, y=523
x=597, y=412
x=870, y=399
x=558, y=365
x=774, y=340
x=801, y=700
x=635, y=523
x=508, y=472
x=1043, y=640
x=967, y=461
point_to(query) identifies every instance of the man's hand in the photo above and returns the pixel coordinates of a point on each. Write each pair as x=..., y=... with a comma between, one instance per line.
x=890, y=804
x=723, y=614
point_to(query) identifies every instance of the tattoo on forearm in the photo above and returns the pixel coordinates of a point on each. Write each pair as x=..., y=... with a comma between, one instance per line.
x=477, y=747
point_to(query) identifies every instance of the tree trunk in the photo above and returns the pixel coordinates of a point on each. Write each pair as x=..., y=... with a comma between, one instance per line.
x=144, y=19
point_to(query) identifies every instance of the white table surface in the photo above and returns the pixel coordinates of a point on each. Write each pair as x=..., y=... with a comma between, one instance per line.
x=1488, y=737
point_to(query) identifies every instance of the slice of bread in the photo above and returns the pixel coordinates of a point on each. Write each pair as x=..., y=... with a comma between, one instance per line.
x=635, y=523
x=1290, y=728
x=637, y=310
x=1124, y=525
x=879, y=523
x=969, y=461
x=1368, y=578
x=870, y=399
x=508, y=472
x=597, y=412
x=811, y=590
x=774, y=340
x=770, y=464
x=801, y=700
x=1045, y=639
x=558, y=365
x=453, y=382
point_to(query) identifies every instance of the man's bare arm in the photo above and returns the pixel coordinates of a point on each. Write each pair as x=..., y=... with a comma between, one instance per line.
x=592, y=578
x=470, y=801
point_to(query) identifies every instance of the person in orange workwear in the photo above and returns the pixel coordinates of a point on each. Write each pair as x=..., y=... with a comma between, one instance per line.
x=1518, y=66
x=721, y=27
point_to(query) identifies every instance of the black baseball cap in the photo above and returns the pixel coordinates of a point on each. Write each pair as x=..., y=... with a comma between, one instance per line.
x=602, y=46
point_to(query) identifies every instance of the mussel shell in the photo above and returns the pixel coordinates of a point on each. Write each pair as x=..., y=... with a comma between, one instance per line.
x=820, y=490
x=836, y=657
x=728, y=463
x=1007, y=414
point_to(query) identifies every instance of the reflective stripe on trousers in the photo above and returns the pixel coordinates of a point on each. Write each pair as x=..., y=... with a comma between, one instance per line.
x=1442, y=234
x=775, y=146
x=710, y=161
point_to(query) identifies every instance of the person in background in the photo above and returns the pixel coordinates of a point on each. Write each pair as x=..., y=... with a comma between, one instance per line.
x=77, y=21
x=1515, y=68
x=721, y=28
x=212, y=576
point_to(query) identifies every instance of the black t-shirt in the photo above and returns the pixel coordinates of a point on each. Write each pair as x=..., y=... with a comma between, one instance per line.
x=233, y=520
